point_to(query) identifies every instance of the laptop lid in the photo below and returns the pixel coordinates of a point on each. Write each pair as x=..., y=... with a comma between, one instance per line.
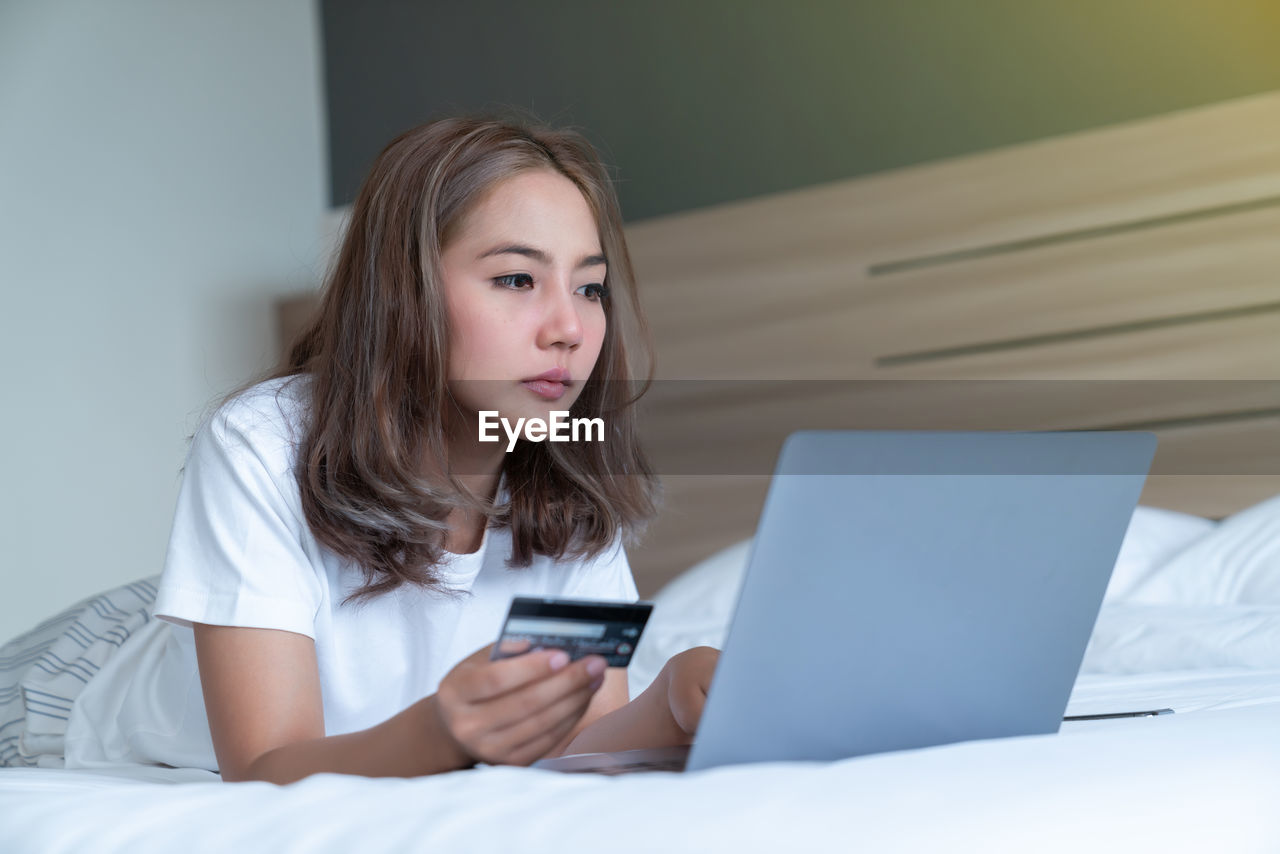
x=914, y=589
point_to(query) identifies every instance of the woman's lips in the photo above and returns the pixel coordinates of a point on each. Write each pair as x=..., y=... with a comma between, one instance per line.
x=545, y=389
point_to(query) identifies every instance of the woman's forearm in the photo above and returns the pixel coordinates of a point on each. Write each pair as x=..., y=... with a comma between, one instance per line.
x=412, y=743
x=644, y=722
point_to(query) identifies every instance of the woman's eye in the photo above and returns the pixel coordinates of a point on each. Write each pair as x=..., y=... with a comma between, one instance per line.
x=594, y=292
x=515, y=281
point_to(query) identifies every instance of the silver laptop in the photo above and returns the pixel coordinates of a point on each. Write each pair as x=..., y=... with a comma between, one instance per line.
x=912, y=589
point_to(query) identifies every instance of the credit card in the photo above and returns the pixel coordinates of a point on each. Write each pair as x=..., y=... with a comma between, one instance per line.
x=580, y=627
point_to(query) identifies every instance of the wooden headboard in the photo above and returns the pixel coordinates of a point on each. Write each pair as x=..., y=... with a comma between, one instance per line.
x=1127, y=277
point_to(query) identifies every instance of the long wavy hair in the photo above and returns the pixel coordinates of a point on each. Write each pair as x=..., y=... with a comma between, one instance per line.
x=376, y=355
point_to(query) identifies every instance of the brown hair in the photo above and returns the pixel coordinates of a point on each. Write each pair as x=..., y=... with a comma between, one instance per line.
x=376, y=355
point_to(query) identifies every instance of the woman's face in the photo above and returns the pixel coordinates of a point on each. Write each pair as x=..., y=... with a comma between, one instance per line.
x=523, y=279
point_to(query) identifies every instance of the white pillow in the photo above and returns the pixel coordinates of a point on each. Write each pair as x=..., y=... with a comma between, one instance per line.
x=1238, y=563
x=1154, y=535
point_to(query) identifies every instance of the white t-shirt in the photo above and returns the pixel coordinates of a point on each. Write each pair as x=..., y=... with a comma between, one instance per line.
x=241, y=554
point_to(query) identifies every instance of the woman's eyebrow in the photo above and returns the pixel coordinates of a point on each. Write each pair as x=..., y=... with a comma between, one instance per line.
x=540, y=256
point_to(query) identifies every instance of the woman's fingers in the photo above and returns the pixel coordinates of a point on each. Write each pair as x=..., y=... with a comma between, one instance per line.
x=532, y=702
x=501, y=711
x=531, y=738
x=552, y=711
x=482, y=679
x=465, y=697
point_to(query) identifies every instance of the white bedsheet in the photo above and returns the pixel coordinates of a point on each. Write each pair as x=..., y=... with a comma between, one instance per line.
x=1206, y=779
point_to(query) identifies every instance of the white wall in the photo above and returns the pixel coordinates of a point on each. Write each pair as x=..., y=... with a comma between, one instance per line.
x=162, y=179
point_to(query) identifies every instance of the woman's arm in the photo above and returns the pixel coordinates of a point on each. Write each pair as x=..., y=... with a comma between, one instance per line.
x=611, y=697
x=262, y=694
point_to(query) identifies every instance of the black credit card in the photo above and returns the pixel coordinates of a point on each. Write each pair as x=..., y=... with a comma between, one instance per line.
x=580, y=627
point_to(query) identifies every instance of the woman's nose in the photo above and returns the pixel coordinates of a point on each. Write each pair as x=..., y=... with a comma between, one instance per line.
x=561, y=323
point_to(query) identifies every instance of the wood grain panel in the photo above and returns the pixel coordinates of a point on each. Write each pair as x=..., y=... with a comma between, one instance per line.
x=292, y=316
x=826, y=347
x=1113, y=279
x=1212, y=496
x=1197, y=159
x=738, y=428
x=701, y=515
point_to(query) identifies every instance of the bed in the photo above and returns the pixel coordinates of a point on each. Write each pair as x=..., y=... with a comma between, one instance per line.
x=1123, y=277
x=1191, y=622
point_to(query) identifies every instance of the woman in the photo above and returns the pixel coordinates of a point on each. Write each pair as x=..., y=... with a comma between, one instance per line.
x=345, y=545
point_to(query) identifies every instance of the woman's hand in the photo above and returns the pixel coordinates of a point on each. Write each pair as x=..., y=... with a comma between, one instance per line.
x=666, y=713
x=514, y=710
x=688, y=678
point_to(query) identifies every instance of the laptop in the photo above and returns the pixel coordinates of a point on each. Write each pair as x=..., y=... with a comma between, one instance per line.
x=911, y=589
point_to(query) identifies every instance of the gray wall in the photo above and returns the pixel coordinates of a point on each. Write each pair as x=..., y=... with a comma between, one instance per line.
x=706, y=101
x=161, y=180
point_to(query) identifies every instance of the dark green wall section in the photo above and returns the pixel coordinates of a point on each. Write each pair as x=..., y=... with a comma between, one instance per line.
x=707, y=101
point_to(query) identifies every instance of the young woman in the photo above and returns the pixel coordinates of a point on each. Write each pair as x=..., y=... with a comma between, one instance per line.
x=345, y=546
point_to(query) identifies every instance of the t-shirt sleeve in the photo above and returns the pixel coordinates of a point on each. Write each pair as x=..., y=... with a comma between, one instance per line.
x=606, y=576
x=236, y=555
